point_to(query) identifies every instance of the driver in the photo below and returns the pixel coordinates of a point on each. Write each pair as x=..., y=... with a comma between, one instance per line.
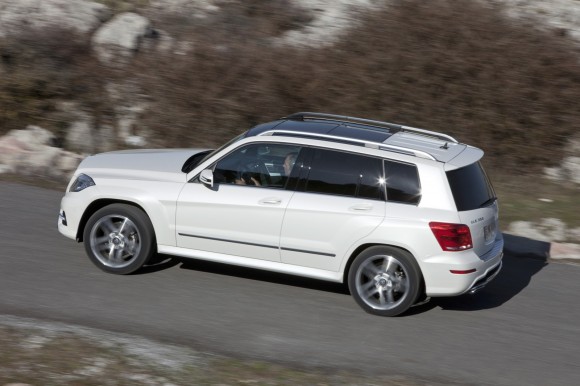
x=252, y=181
x=289, y=162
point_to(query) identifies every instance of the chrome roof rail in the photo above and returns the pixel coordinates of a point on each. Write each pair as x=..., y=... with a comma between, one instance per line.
x=393, y=126
x=369, y=144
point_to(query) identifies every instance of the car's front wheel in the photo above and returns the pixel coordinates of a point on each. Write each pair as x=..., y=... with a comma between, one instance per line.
x=384, y=281
x=119, y=239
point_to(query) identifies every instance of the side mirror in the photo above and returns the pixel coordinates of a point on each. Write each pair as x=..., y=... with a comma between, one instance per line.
x=206, y=177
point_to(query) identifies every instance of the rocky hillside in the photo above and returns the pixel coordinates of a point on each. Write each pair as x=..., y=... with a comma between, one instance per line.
x=79, y=77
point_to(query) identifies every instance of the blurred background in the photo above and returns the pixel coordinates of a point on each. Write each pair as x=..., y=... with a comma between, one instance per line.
x=79, y=77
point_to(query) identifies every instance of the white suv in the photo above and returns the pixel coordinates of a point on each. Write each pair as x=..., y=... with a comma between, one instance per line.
x=399, y=213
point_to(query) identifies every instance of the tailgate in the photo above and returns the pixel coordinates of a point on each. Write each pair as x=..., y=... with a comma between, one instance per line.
x=483, y=224
x=476, y=204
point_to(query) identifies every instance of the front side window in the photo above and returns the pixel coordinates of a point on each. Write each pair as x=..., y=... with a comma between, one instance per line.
x=345, y=174
x=264, y=165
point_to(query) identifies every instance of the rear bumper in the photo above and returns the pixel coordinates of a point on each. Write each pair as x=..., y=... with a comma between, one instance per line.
x=470, y=273
x=489, y=276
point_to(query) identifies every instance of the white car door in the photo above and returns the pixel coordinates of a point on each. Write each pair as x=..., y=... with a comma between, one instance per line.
x=233, y=220
x=340, y=199
x=242, y=214
x=319, y=229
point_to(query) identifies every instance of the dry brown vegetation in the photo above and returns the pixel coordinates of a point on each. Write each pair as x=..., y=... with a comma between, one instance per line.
x=459, y=68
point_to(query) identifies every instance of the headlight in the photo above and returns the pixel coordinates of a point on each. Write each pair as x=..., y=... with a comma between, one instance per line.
x=82, y=182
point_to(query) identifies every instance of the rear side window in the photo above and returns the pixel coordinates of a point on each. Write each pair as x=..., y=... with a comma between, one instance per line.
x=402, y=183
x=470, y=187
x=345, y=174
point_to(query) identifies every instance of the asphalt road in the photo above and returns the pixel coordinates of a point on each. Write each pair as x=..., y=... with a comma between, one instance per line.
x=523, y=329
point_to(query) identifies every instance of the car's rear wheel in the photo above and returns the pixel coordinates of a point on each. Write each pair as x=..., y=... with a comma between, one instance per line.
x=119, y=238
x=384, y=280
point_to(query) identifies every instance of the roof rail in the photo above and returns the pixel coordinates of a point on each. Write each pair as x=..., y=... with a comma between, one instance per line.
x=393, y=126
x=369, y=144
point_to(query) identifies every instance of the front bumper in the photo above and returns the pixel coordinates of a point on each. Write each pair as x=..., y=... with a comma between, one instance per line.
x=72, y=206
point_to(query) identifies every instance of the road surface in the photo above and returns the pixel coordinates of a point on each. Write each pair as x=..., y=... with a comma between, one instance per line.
x=523, y=329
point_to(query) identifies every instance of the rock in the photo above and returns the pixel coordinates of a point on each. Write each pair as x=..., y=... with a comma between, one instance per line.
x=135, y=141
x=554, y=173
x=83, y=136
x=525, y=229
x=18, y=145
x=80, y=15
x=562, y=15
x=80, y=136
x=6, y=169
x=127, y=117
x=29, y=151
x=68, y=162
x=118, y=39
x=331, y=19
x=41, y=161
x=549, y=229
x=554, y=229
x=196, y=8
x=130, y=103
x=166, y=44
x=564, y=251
x=571, y=169
x=574, y=235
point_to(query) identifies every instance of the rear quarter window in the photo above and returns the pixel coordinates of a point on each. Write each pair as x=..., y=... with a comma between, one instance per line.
x=471, y=187
x=402, y=182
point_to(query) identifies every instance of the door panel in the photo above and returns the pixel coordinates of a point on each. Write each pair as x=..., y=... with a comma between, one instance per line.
x=231, y=219
x=318, y=229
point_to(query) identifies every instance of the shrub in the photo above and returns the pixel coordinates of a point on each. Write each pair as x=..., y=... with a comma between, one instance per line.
x=463, y=69
x=39, y=69
x=468, y=71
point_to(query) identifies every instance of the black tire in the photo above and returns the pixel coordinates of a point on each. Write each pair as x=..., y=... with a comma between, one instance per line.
x=119, y=239
x=384, y=280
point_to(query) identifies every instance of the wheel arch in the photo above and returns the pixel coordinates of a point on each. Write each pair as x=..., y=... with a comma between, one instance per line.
x=99, y=204
x=364, y=247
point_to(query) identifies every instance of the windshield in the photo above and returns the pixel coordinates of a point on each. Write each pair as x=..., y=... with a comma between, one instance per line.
x=470, y=187
x=233, y=140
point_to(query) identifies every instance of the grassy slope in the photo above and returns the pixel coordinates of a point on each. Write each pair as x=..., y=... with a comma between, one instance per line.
x=39, y=353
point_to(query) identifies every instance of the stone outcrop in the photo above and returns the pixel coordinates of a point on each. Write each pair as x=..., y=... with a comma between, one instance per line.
x=30, y=151
x=562, y=15
x=196, y=8
x=118, y=39
x=86, y=135
x=547, y=230
x=330, y=19
x=569, y=169
x=80, y=15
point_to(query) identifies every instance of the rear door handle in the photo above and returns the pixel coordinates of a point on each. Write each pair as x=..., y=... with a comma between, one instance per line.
x=270, y=201
x=361, y=208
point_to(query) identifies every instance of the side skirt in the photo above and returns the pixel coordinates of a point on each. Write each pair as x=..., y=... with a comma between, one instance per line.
x=252, y=263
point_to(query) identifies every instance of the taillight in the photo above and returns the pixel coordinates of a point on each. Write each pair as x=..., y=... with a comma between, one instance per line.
x=452, y=237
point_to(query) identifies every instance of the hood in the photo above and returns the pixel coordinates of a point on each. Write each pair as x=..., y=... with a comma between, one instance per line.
x=162, y=164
